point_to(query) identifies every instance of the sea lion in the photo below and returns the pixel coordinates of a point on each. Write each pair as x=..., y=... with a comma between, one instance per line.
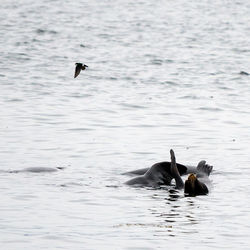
x=158, y=174
x=142, y=171
x=162, y=173
x=79, y=67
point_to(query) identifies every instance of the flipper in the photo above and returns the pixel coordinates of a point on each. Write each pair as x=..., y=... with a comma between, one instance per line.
x=203, y=169
x=174, y=171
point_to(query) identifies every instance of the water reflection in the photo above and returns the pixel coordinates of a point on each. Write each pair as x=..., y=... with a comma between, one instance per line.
x=178, y=215
x=174, y=195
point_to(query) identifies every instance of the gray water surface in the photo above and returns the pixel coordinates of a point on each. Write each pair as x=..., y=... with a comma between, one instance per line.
x=162, y=74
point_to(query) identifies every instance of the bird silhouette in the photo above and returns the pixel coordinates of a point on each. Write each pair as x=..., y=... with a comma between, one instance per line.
x=79, y=67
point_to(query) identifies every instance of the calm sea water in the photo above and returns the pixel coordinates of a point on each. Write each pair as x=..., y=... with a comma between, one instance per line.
x=162, y=74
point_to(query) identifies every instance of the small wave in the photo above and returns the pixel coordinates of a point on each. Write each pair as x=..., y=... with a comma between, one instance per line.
x=43, y=31
x=210, y=109
x=192, y=97
x=156, y=62
x=170, y=83
x=80, y=129
x=160, y=225
x=15, y=100
x=132, y=106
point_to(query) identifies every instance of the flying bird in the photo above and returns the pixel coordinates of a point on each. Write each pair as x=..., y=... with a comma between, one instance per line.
x=79, y=67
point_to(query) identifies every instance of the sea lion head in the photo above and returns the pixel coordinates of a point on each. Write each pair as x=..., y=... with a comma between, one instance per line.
x=194, y=187
x=189, y=187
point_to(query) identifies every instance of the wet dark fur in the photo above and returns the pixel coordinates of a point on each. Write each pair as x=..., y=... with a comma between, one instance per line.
x=195, y=188
x=157, y=174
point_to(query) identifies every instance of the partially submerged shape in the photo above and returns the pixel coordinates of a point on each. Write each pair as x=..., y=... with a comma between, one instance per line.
x=37, y=170
x=158, y=174
x=194, y=187
x=163, y=172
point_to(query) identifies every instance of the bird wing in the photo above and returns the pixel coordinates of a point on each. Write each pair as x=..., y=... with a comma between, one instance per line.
x=84, y=67
x=77, y=70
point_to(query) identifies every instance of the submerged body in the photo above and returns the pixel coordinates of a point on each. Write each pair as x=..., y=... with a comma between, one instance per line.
x=36, y=170
x=158, y=174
